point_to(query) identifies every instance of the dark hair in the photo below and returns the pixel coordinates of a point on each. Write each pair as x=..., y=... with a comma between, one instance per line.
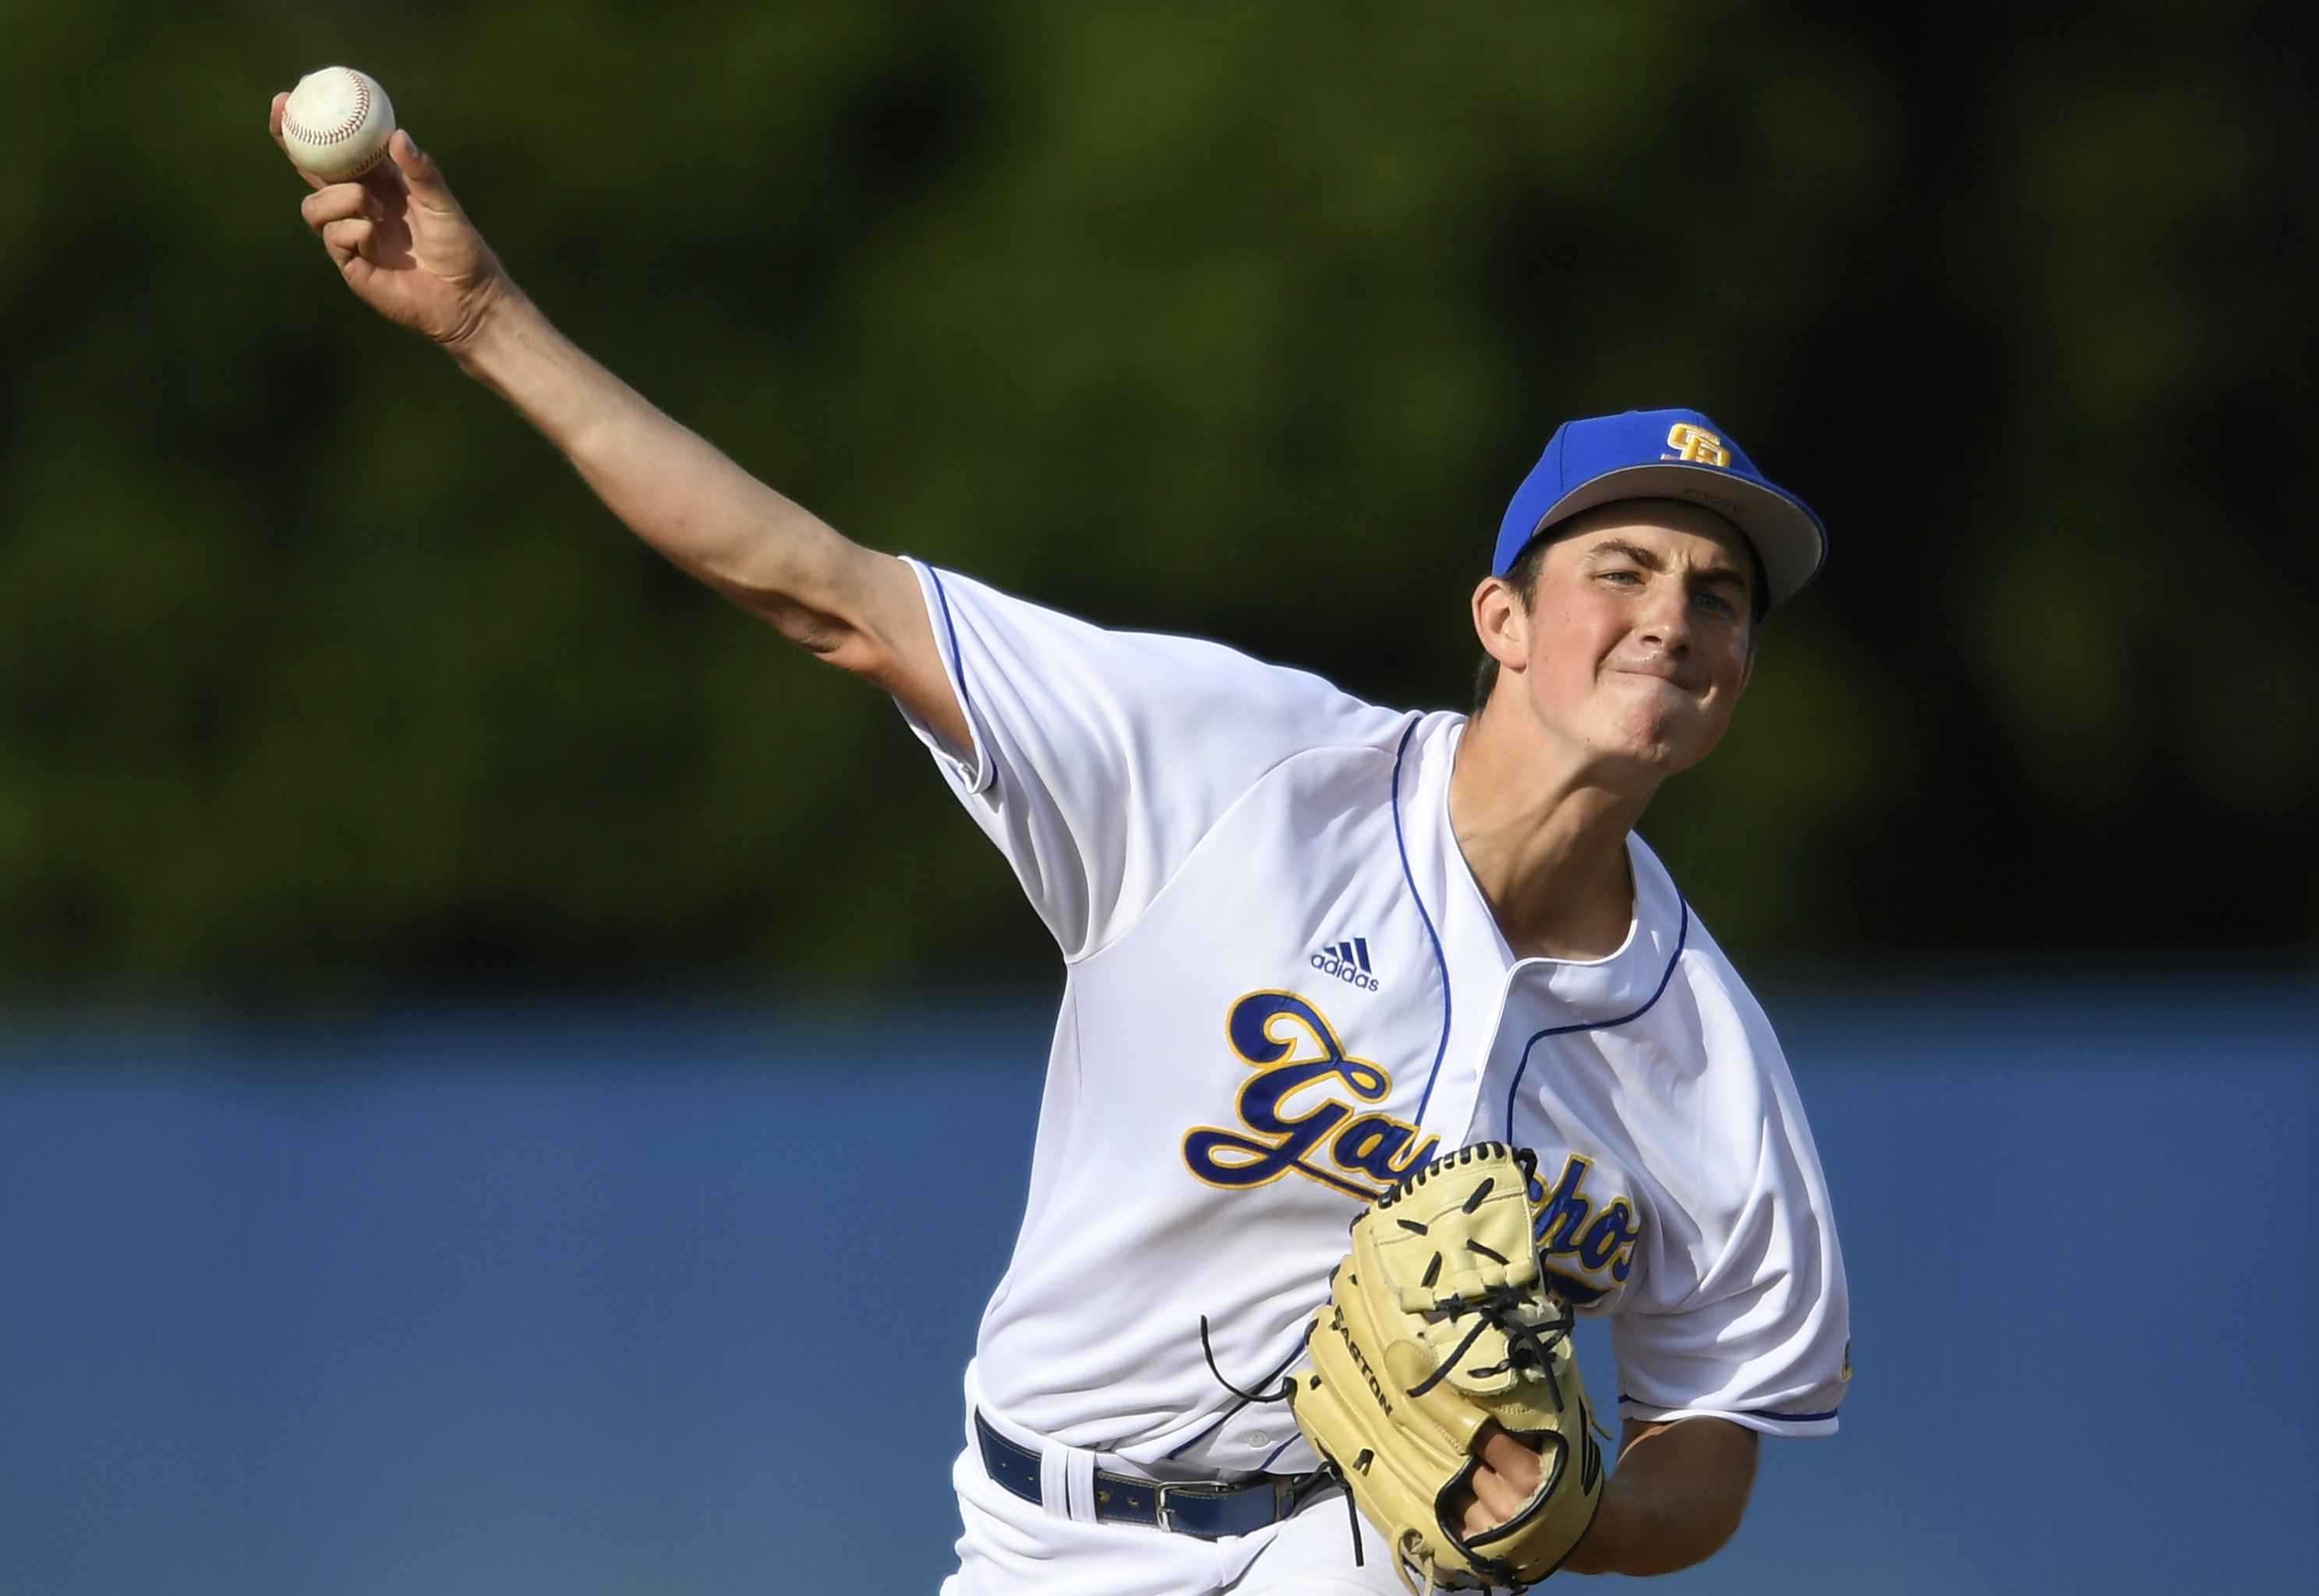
x=1522, y=577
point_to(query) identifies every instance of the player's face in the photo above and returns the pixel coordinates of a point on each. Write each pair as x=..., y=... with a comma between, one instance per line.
x=1638, y=640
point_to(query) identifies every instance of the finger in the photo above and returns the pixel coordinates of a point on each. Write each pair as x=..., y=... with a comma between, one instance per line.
x=1467, y=1513
x=386, y=183
x=1505, y=1478
x=419, y=172
x=274, y=126
x=347, y=238
x=1507, y=1459
x=1482, y=1511
x=1495, y=1500
x=337, y=203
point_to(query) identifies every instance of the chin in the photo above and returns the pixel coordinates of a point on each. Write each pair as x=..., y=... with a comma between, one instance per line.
x=1656, y=746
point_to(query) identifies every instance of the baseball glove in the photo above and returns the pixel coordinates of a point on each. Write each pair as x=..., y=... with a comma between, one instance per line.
x=1436, y=1322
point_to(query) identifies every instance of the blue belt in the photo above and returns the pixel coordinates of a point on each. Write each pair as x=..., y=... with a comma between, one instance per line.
x=1210, y=1512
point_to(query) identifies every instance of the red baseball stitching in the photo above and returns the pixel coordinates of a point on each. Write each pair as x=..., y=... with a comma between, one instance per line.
x=342, y=134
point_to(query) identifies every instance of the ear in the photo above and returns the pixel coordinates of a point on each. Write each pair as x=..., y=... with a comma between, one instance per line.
x=1746, y=670
x=1502, y=623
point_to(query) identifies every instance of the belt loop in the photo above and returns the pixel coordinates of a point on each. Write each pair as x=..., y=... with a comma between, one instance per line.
x=1055, y=1478
x=1078, y=1495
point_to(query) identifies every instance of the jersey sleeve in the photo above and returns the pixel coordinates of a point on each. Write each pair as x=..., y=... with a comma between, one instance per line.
x=1100, y=758
x=1748, y=1319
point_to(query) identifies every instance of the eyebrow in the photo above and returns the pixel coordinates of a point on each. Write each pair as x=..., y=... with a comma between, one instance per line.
x=1719, y=575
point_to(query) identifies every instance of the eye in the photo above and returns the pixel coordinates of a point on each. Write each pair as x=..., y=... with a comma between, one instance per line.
x=1627, y=578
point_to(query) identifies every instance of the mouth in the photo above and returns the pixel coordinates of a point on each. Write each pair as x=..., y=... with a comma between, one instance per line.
x=1669, y=677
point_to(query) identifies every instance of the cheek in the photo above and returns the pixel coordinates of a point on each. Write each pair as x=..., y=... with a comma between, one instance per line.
x=1570, y=643
x=1565, y=658
x=1729, y=674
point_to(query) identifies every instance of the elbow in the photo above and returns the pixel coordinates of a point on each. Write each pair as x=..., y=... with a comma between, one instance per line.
x=820, y=634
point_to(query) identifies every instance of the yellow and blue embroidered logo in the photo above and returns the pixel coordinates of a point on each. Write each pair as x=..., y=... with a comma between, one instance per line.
x=1696, y=445
x=1296, y=1054
x=1586, y=1250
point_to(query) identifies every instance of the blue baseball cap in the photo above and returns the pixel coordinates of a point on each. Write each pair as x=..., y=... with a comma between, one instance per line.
x=1664, y=455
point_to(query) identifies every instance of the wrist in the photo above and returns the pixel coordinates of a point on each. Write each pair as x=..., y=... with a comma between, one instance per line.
x=504, y=328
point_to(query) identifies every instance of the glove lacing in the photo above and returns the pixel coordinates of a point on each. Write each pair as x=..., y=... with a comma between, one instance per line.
x=1530, y=1347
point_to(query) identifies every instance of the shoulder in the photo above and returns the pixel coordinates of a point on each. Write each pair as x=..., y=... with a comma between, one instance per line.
x=1747, y=1117
x=1707, y=1008
x=1206, y=690
x=1729, y=1014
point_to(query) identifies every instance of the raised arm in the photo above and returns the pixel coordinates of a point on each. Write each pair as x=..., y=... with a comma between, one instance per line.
x=407, y=250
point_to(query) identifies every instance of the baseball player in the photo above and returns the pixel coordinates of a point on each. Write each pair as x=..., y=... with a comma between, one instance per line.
x=1311, y=944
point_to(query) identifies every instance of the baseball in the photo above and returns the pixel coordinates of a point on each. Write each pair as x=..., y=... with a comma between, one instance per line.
x=337, y=124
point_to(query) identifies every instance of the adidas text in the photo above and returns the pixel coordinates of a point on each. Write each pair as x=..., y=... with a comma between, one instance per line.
x=1348, y=961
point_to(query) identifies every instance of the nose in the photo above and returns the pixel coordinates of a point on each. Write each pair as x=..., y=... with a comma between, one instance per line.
x=1666, y=619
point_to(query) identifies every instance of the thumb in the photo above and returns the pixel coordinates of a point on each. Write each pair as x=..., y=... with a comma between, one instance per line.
x=420, y=172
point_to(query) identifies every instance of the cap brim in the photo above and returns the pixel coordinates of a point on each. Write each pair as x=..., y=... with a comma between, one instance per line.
x=1788, y=537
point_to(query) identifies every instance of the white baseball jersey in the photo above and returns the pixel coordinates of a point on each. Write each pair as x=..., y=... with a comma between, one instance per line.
x=1285, y=992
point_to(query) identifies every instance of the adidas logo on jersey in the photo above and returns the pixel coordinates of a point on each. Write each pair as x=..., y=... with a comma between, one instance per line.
x=1348, y=961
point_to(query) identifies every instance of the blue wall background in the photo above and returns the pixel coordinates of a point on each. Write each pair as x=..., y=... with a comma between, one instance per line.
x=576, y=1305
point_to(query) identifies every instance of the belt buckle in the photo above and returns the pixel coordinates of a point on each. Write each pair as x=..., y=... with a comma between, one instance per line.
x=1164, y=1511
x=1165, y=1506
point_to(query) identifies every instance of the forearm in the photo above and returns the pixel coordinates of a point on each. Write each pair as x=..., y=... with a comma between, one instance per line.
x=405, y=247
x=673, y=488
x=1676, y=1497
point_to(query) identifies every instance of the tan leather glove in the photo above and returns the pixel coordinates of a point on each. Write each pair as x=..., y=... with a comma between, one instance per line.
x=1438, y=1321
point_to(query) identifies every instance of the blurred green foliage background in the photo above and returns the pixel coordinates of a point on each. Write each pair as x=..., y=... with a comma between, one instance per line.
x=319, y=674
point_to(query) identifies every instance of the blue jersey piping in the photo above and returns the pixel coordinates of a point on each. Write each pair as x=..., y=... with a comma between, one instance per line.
x=1682, y=937
x=957, y=663
x=1203, y=1433
x=1440, y=960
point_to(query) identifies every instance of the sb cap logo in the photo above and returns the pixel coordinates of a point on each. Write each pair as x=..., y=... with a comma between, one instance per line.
x=1696, y=445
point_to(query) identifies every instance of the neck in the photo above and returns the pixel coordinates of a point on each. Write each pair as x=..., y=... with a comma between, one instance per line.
x=1544, y=831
